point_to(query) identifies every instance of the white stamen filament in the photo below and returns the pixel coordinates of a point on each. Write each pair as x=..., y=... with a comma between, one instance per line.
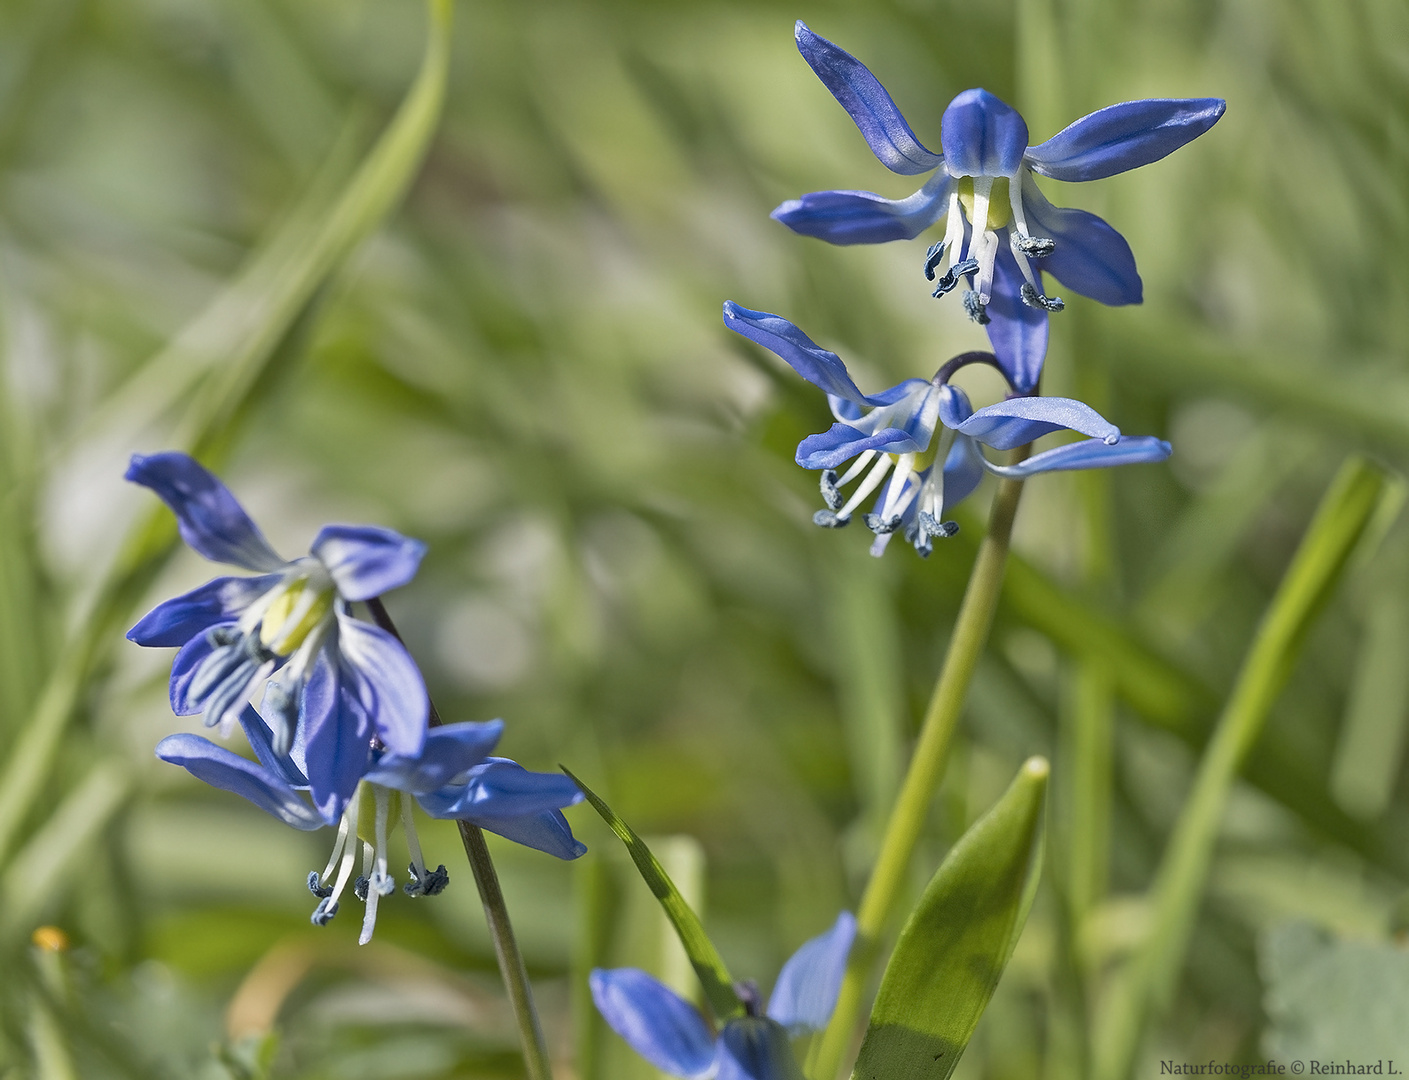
x=378, y=883
x=862, y=460
x=868, y=485
x=306, y=599
x=983, y=244
x=899, y=484
x=932, y=498
x=349, y=852
x=254, y=614
x=418, y=862
x=1015, y=200
x=954, y=228
x=337, y=849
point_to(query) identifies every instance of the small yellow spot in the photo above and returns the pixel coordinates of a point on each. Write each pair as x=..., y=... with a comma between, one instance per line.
x=50, y=938
x=1000, y=209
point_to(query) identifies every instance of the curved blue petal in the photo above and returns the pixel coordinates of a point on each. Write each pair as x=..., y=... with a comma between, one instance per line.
x=1090, y=257
x=502, y=788
x=863, y=217
x=337, y=737
x=954, y=406
x=177, y=621
x=450, y=751
x=1089, y=454
x=220, y=768
x=963, y=470
x=982, y=136
x=211, y=521
x=547, y=832
x=819, y=366
x=365, y=560
x=1125, y=136
x=1016, y=421
x=212, y=675
x=756, y=1048
x=389, y=685
x=866, y=102
x=841, y=442
x=807, y=987
x=1017, y=332
x=655, y=1021
x=261, y=738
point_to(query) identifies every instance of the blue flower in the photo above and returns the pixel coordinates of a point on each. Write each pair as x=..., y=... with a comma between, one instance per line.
x=985, y=175
x=340, y=682
x=897, y=428
x=670, y=1033
x=451, y=777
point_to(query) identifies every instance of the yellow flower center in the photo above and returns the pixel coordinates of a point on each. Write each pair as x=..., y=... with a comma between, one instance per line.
x=1000, y=209
x=294, y=614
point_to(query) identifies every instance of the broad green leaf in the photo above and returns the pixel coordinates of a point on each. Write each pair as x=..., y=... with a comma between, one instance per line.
x=704, y=957
x=958, y=940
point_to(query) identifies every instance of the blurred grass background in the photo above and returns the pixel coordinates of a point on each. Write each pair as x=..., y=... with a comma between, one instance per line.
x=526, y=368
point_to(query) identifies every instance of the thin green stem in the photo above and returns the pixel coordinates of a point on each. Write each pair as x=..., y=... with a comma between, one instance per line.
x=496, y=914
x=907, y=817
x=1149, y=982
x=506, y=951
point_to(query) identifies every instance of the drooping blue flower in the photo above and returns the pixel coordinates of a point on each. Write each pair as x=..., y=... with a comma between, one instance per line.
x=338, y=682
x=670, y=1033
x=451, y=777
x=1001, y=233
x=918, y=423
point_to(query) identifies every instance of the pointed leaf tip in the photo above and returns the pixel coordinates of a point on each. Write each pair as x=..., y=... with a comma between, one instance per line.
x=958, y=940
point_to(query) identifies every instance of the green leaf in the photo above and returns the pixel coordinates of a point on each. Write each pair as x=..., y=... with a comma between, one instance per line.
x=958, y=940
x=704, y=957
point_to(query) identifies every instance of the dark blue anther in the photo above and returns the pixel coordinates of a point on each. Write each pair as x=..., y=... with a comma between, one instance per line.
x=1036, y=247
x=830, y=519
x=933, y=258
x=324, y=912
x=1033, y=298
x=950, y=277
x=316, y=886
x=831, y=494
x=974, y=308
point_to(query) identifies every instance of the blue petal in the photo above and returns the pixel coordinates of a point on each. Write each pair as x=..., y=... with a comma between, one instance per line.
x=841, y=442
x=366, y=561
x=817, y=365
x=262, y=740
x=863, y=217
x=1017, y=332
x=220, y=768
x=210, y=519
x=1125, y=136
x=982, y=136
x=501, y=788
x=954, y=406
x=229, y=676
x=756, y=1048
x=655, y=1021
x=963, y=470
x=807, y=987
x=1089, y=454
x=449, y=752
x=866, y=101
x=1090, y=258
x=388, y=684
x=177, y=621
x=337, y=737
x=1020, y=420
x=547, y=832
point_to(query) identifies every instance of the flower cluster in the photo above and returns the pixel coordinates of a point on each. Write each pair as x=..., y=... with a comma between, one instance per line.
x=345, y=713
x=1000, y=232
x=670, y=1033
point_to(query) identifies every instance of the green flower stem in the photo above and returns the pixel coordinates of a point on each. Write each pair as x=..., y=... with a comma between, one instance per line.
x=1149, y=982
x=907, y=817
x=496, y=913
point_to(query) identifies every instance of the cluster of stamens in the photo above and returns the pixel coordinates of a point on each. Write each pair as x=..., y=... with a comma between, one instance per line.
x=374, y=882
x=972, y=194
